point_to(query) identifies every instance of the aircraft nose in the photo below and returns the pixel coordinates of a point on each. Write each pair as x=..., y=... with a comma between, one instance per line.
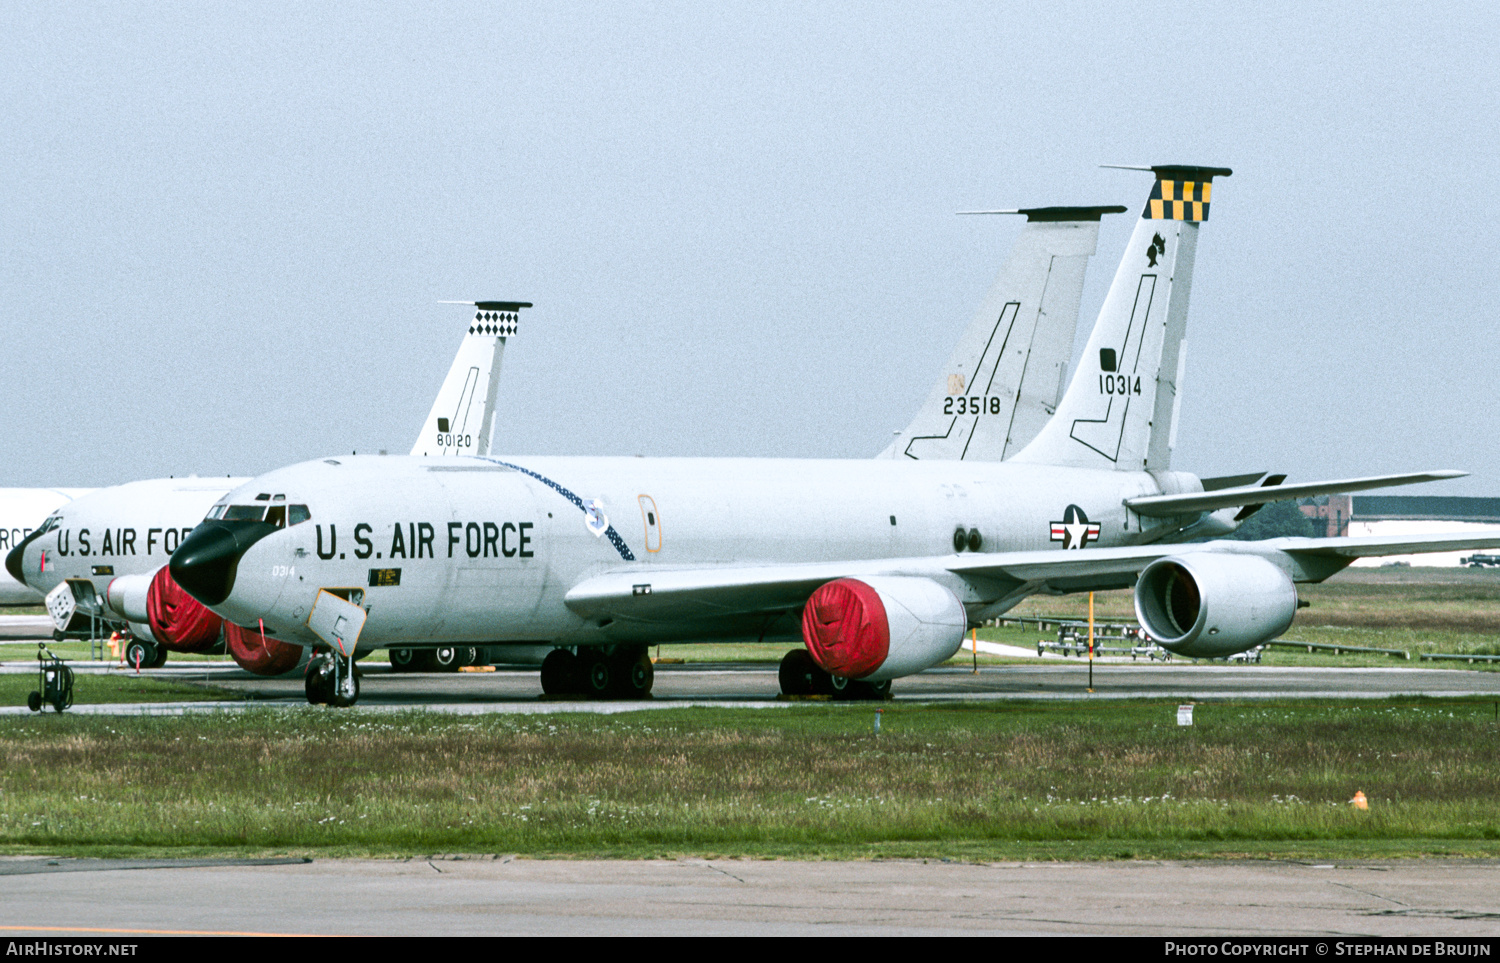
x=13, y=562
x=206, y=562
x=14, y=556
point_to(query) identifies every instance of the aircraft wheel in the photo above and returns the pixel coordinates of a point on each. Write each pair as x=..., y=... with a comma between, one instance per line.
x=445, y=659
x=560, y=671
x=139, y=653
x=403, y=660
x=161, y=657
x=350, y=695
x=856, y=691
x=319, y=681
x=633, y=674
x=838, y=687
x=34, y=701
x=468, y=655
x=798, y=673
x=598, y=675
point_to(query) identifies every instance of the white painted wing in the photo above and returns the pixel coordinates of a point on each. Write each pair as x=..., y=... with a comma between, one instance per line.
x=657, y=595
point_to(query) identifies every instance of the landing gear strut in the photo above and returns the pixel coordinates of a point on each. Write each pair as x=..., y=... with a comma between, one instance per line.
x=331, y=680
x=801, y=676
x=612, y=672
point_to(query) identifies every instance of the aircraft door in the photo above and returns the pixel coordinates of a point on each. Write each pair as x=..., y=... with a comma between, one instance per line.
x=651, y=518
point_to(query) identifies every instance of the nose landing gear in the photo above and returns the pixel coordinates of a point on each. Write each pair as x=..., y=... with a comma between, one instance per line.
x=331, y=680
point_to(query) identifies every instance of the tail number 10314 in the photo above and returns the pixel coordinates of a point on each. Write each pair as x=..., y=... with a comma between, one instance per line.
x=1123, y=384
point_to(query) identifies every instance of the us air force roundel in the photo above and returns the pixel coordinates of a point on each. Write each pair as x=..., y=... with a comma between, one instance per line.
x=1075, y=530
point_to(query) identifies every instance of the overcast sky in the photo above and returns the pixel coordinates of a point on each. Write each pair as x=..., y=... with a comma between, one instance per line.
x=226, y=228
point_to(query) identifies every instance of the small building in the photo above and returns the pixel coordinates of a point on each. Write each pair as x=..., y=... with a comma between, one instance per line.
x=1406, y=515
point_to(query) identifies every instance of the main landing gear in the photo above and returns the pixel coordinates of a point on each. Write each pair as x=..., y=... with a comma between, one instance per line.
x=599, y=672
x=801, y=676
x=331, y=680
x=446, y=658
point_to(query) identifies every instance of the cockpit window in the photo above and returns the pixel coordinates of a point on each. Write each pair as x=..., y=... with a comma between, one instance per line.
x=216, y=512
x=49, y=524
x=297, y=514
x=276, y=515
x=245, y=513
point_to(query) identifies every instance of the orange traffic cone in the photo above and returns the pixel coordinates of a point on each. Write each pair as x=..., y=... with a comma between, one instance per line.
x=1359, y=800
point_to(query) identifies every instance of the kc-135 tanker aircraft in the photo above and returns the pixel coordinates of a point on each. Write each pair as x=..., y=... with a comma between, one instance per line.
x=103, y=557
x=879, y=567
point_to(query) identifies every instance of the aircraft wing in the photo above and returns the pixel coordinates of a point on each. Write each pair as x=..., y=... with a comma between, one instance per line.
x=1162, y=506
x=667, y=595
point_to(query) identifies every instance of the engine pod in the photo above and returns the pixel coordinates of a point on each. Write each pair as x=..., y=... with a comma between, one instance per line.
x=1209, y=604
x=127, y=597
x=258, y=654
x=882, y=627
x=179, y=621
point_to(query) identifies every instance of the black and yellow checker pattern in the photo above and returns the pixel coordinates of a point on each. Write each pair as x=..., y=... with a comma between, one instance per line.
x=1179, y=200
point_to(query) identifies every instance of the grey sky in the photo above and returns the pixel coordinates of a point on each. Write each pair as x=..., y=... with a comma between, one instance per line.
x=226, y=228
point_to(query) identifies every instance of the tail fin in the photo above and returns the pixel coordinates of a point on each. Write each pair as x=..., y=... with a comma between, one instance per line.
x=1005, y=376
x=1120, y=411
x=463, y=415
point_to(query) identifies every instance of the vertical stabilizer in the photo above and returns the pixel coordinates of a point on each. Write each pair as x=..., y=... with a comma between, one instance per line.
x=1120, y=410
x=463, y=415
x=1005, y=375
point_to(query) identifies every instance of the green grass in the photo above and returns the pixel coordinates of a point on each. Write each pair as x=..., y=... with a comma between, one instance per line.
x=97, y=689
x=1091, y=780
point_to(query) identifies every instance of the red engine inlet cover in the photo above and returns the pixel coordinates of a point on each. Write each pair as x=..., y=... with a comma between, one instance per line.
x=259, y=654
x=179, y=621
x=845, y=628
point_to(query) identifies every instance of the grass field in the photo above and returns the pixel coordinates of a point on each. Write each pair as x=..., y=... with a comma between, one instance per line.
x=994, y=781
x=1095, y=780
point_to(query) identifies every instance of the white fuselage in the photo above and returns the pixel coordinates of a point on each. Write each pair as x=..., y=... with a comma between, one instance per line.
x=129, y=529
x=22, y=510
x=477, y=550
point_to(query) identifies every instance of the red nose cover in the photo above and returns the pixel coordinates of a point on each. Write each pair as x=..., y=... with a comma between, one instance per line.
x=257, y=653
x=845, y=628
x=179, y=621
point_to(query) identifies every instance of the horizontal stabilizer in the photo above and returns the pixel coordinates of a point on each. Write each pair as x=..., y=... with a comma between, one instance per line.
x=1164, y=506
x=1060, y=213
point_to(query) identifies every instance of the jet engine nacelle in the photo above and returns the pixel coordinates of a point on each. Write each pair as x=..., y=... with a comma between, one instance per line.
x=126, y=597
x=882, y=627
x=259, y=654
x=180, y=622
x=1208, y=605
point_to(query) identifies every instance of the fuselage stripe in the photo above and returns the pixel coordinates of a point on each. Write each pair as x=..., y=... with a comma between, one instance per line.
x=610, y=533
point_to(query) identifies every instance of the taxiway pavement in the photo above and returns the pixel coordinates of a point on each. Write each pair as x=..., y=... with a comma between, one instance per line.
x=505, y=896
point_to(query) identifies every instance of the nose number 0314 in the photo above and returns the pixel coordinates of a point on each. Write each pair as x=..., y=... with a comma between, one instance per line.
x=283, y=571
